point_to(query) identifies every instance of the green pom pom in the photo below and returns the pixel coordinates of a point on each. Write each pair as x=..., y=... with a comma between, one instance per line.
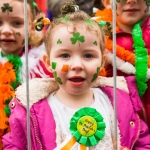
x=7, y=111
x=34, y=4
x=102, y=23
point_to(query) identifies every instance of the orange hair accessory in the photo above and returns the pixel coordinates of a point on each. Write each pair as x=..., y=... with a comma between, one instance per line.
x=41, y=22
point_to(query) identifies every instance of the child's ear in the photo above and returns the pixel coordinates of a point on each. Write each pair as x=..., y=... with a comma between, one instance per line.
x=107, y=3
x=47, y=63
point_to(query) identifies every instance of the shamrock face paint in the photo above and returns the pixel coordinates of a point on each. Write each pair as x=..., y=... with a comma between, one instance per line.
x=18, y=33
x=54, y=64
x=12, y=26
x=59, y=41
x=96, y=74
x=77, y=38
x=6, y=8
x=75, y=65
x=95, y=43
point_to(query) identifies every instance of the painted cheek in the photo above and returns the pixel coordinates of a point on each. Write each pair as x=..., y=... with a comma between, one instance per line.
x=58, y=79
x=65, y=68
x=96, y=74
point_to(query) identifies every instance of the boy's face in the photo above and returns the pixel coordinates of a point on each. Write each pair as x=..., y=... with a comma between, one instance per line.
x=129, y=12
x=75, y=58
x=12, y=26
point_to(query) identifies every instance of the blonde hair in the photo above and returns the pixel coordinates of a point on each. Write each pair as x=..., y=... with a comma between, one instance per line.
x=74, y=18
x=35, y=39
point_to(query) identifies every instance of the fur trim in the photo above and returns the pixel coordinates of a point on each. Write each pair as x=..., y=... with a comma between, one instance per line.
x=109, y=81
x=40, y=88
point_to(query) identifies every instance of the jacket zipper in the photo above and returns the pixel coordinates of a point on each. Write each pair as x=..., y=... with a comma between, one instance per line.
x=35, y=133
x=34, y=124
x=139, y=128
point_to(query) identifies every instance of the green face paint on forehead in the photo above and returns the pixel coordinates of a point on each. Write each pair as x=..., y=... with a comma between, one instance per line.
x=95, y=43
x=6, y=7
x=59, y=41
x=18, y=33
x=96, y=74
x=77, y=38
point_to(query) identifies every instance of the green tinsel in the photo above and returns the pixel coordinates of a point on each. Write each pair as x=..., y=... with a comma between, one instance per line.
x=141, y=59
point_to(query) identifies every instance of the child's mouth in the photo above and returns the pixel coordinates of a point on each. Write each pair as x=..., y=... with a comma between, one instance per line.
x=131, y=10
x=7, y=41
x=76, y=81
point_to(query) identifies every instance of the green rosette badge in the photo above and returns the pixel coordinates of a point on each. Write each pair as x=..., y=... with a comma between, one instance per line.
x=87, y=126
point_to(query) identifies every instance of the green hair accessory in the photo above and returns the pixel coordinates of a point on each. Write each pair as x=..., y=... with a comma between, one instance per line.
x=34, y=4
x=102, y=23
x=87, y=126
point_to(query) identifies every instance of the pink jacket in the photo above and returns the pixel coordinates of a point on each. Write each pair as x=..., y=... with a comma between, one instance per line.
x=125, y=40
x=134, y=132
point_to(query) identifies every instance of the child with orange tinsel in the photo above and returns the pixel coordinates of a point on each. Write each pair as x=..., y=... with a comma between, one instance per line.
x=12, y=53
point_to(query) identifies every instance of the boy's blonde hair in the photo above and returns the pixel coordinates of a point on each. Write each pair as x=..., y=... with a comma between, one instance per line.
x=71, y=16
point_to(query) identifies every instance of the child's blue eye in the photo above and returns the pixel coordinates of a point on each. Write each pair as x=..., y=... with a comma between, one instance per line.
x=17, y=23
x=65, y=55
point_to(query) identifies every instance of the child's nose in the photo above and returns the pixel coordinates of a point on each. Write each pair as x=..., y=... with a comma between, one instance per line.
x=77, y=65
x=6, y=29
x=131, y=1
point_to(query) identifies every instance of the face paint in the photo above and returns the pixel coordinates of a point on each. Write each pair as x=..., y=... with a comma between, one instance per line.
x=54, y=64
x=96, y=74
x=77, y=38
x=57, y=78
x=59, y=41
x=18, y=33
x=7, y=8
x=23, y=41
x=95, y=43
x=65, y=68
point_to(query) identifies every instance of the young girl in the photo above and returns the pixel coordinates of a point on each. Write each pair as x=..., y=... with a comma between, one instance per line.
x=70, y=111
x=12, y=53
x=133, y=49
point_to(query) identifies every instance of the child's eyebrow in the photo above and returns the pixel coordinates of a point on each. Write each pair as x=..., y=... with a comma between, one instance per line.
x=17, y=18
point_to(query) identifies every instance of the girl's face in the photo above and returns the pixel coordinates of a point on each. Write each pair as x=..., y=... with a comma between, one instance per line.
x=75, y=59
x=12, y=26
x=129, y=12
